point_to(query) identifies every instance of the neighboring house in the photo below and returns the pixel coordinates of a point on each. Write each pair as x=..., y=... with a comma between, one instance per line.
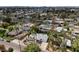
x=27, y=26
x=68, y=43
x=1, y=22
x=59, y=21
x=77, y=18
x=14, y=33
x=14, y=19
x=75, y=30
x=39, y=37
x=1, y=39
x=69, y=20
x=46, y=26
x=21, y=36
x=43, y=14
x=47, y=22
x=42, y=37
x=59, y=29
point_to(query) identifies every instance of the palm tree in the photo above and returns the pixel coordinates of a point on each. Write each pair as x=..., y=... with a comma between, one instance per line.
x=50, y=38
x=33, y=30
x=17, y=29
x=54, y=38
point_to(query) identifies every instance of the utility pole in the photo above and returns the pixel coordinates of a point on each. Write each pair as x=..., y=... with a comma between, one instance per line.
x=53, y=22
x=17, y=29
x=19, y=45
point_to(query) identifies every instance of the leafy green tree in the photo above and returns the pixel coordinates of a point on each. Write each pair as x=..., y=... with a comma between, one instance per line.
x=5, y=25
x=33, y=47
x=50, y=40
x=33, y=30
x=10, y=28
x=75, y=45
x=2, y=33
x=10, y=50
x=7, y=19
x=63, y=15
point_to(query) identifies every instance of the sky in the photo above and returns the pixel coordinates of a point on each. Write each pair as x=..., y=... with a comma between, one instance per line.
x=39, y=3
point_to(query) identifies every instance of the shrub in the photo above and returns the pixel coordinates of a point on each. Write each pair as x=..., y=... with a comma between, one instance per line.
x=32, y=48
x=2, y=32
x=2, y=48
x=10, y=50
